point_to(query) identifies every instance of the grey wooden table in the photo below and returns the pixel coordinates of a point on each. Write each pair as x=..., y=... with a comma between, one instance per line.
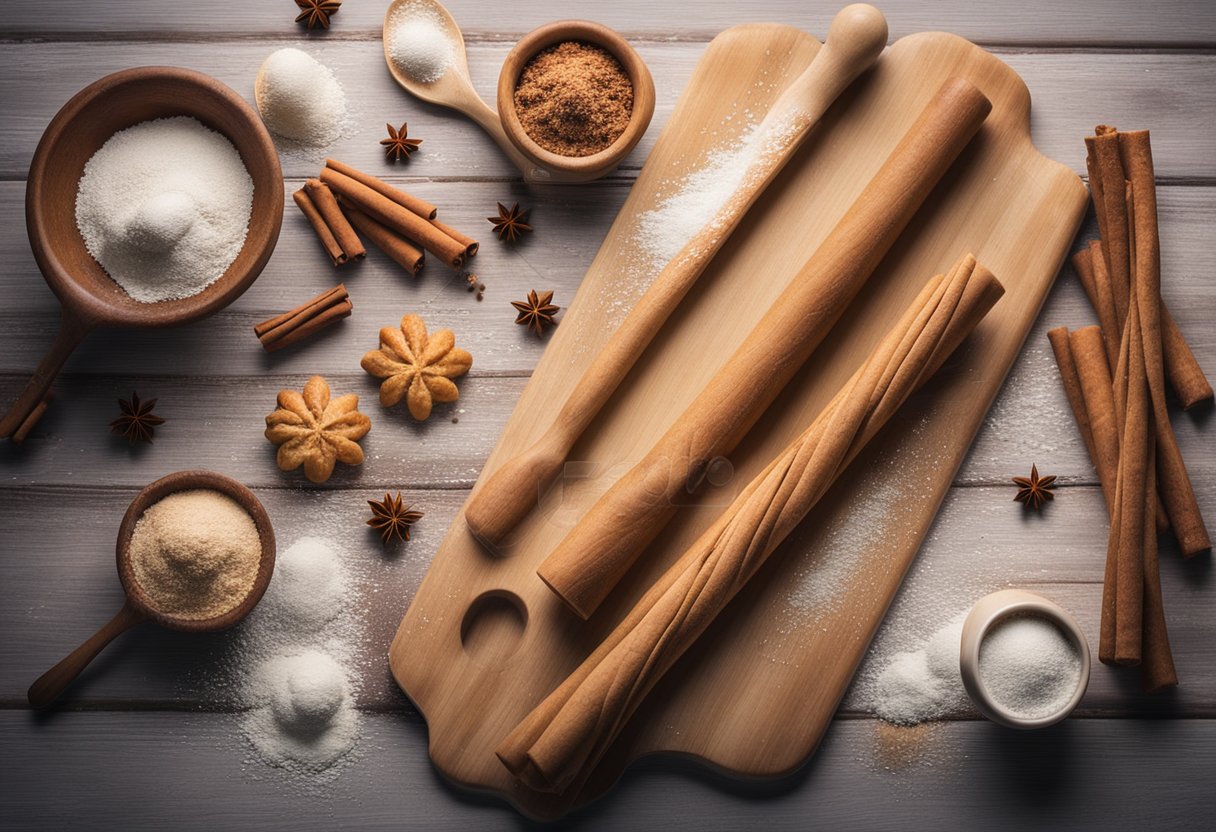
x=147, y=739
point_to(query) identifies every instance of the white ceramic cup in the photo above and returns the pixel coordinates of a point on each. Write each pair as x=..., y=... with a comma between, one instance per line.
x=994, y=608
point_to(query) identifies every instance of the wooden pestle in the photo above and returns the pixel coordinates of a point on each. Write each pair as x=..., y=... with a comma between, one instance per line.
x=559, y=743
x=856, y=38
x=598, y=551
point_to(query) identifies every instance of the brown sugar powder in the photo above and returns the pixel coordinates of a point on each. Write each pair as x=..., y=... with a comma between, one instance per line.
x=574, y=99
x=195, y=554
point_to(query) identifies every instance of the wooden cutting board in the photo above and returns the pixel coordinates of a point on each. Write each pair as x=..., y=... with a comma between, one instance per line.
x=484, y=640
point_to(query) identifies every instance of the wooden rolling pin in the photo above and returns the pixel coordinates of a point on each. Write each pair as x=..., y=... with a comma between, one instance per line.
x=562, y=739
x=598, y=551
x=856, y=38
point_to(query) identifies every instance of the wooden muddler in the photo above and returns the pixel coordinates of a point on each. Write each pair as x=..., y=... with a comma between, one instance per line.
x=562, y=739
x=598, y=551
x=856, y=38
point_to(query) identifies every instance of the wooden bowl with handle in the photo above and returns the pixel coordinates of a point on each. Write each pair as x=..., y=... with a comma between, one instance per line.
x=90, y=298
x=553, y=166
x=138, y=606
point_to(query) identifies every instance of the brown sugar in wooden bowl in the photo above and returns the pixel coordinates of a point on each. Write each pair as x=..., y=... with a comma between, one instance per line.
x=595, y=165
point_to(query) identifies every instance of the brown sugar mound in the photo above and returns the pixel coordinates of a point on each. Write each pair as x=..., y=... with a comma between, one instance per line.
x=574, y=99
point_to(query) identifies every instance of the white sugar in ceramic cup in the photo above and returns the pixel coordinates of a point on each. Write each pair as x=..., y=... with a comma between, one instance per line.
x=985, y=617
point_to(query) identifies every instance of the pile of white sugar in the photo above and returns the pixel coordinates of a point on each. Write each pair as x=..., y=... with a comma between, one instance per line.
x=300, y=98
x=419, y=42
x=299, y=656
x=164, y=207
x=925, y=683
x=1029, y=667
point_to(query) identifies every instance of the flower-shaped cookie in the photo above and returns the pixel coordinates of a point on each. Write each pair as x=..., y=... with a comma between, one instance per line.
x=416, y=366
x=314, y=431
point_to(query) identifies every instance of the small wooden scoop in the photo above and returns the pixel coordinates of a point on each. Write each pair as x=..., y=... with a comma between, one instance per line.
x=138, y=607
x=856, y=38
x=455, y=88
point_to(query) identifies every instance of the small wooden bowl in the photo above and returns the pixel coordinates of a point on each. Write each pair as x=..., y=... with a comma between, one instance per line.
x=575, y=168
x=190, y=481
x=138, y=607
x=90, y=298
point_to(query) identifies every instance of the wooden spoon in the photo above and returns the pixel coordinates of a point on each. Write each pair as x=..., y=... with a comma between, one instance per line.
x=855, y=39
x=455, y=88
x=138, y=606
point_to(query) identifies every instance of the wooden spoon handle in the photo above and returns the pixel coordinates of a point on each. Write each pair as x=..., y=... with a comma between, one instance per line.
x=52, y=683
x=29, y=405
x=854, y=42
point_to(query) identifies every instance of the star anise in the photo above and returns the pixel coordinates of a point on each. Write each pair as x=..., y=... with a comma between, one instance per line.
x=416, y=366
x=1034, y=491
x=510, y=222
x=137, y=420
x=315, y=13
x=313, y=431
x=392, y=518
x=536, y=312
x=397, y=146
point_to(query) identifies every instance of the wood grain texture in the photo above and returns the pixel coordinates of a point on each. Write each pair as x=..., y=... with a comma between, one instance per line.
x=1072, y=92
x=1080, y=775
x=1059, y=554
x=1037, y=22
x=56, y=580
x=724, y=671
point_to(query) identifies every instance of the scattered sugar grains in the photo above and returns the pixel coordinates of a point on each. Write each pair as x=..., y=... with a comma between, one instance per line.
x=697, y=200
x=419, y=43
x=923, y=684
x=297, y=658
x=300, y=99
x=164, y=207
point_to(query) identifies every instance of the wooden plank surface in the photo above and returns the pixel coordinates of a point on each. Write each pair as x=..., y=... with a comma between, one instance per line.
x=1071, y=92
x=1036, y=22
x=187, y=775
x=1124, y=62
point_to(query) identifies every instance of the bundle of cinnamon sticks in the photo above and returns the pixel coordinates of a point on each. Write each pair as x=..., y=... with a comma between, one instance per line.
x=343, y=202
x=1115, y=377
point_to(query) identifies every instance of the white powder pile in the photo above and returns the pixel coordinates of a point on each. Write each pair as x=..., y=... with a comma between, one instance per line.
x=297, y=662
x=1029, y=666
x=923, y=684
x=419, y=43
x=303, y=716
x=300, y=99
x=699, y=198
x=310, y=586
x=164, y=207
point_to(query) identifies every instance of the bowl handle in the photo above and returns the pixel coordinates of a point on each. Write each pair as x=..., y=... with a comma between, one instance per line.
x=32, y=402
x=52, y=683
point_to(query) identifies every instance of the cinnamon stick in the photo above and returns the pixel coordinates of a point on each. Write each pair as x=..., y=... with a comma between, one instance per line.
x=398, y=218
x=308, y=318
x=1174, y=483
x=328, y=241
x=397, y=248
x=1185, y=375
x=1083, y=372
x=1090, y=266
x=557, y=745
x=470, y=245
x=327, y=205
x=1061, y=346
x=1114, y=207
x=1156, y=659
x=1127, y=533
x=420, y=207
